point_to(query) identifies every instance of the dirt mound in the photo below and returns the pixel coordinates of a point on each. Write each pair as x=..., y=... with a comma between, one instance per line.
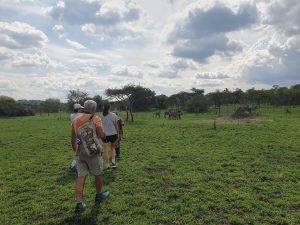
x=243, y=112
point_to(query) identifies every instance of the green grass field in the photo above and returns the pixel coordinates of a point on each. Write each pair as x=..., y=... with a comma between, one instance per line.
x=171, y=172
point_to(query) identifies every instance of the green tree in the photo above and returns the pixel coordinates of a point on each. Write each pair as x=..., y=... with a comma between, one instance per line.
x=123, y=96
x=227, y=97
x=197, y=104
x=143, y=98
x=132, y=97
x=179, y=100
x=9, y=107
x=161, y=101
x=216, y=98
x=238, y=96
x=98, y=99
x=197, y=91
x=295, y=94
x=51, y=105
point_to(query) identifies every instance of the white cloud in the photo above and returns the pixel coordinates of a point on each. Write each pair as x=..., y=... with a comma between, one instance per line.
x=21, y=35
x=284, y=15
x=59, y=29
x=151, y=64
x=36, y=60
x=7, y=85
x=200, y=32
x=276, y=60
x=171, y=74
x=5, y=53
x=75, y=44
x=107, y=19
x=95, y=44
x=278, y=63
x=121, y=32
x=127, y=71
x=58, y=84
x=181, y=64
x=88, y=70
x=107, y=12
x=211, y=76
x=209, y=83
x=89, y=62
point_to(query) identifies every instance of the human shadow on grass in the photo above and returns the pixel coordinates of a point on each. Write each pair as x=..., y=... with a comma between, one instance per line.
x=67, y=177
x=84, y=218
x=109, y=177
x=70, y=177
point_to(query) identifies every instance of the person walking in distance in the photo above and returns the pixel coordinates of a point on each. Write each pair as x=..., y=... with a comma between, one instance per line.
x=87, y=146
x=77, y=111
x=118, y=142
x=110, y=127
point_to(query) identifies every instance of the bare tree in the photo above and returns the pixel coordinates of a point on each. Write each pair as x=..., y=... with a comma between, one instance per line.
x=124, y=96
x=76, y=96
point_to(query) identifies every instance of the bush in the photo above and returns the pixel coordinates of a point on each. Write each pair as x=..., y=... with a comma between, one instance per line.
x=9, y=107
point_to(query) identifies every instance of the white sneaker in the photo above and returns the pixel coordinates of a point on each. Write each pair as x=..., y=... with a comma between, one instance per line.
x=113, y=165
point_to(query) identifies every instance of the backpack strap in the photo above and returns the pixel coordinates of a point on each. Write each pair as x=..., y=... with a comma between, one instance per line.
x=91, y=117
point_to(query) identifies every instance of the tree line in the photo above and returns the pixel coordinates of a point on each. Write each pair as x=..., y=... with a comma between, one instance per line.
x=133, y=98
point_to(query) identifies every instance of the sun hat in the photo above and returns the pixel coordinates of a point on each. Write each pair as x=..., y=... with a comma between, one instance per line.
x=78, y=106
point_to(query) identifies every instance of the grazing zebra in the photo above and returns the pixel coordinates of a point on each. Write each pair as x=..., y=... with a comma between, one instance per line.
x=157, y=115
x=175, y=115
x=166, y=114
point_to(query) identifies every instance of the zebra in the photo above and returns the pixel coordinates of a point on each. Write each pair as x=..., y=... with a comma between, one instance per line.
x=157, y=115
x=166, y=114
x=176, y=115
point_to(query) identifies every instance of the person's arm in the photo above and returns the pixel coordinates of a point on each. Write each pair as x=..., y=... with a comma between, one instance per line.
x=100, y=133
x=99, y=129
x=73, y=140
x=120, y=126
x=117, y=129
x=116, y=125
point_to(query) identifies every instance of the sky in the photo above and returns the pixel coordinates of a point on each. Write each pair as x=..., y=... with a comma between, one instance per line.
x=52, y=46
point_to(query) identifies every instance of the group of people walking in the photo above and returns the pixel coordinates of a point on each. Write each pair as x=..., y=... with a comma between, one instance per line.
x=93, y=138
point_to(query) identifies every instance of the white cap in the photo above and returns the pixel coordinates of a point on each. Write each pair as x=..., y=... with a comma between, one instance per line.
x=78, y=106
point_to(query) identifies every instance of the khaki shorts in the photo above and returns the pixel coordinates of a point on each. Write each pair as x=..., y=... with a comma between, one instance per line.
x=89, y=165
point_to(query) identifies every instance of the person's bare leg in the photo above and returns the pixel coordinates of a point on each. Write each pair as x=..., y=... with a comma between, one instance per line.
x=99, y=183
x=79, y=188
x=106, y=153
x=113, y=152
x=113, y=158
x=100, y=196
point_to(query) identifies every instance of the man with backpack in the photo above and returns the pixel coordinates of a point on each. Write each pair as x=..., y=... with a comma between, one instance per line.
x=86, y=130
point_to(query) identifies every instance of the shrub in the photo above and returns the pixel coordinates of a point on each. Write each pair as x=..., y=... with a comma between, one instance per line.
x=9, y=107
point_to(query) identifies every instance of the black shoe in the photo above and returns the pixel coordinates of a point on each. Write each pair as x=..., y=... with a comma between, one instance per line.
x=80, y=207
x=73, y=169
x=101, y=196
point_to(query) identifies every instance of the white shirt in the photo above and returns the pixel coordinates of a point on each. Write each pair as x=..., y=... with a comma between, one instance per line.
x=108, y=123
x=74, y=116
